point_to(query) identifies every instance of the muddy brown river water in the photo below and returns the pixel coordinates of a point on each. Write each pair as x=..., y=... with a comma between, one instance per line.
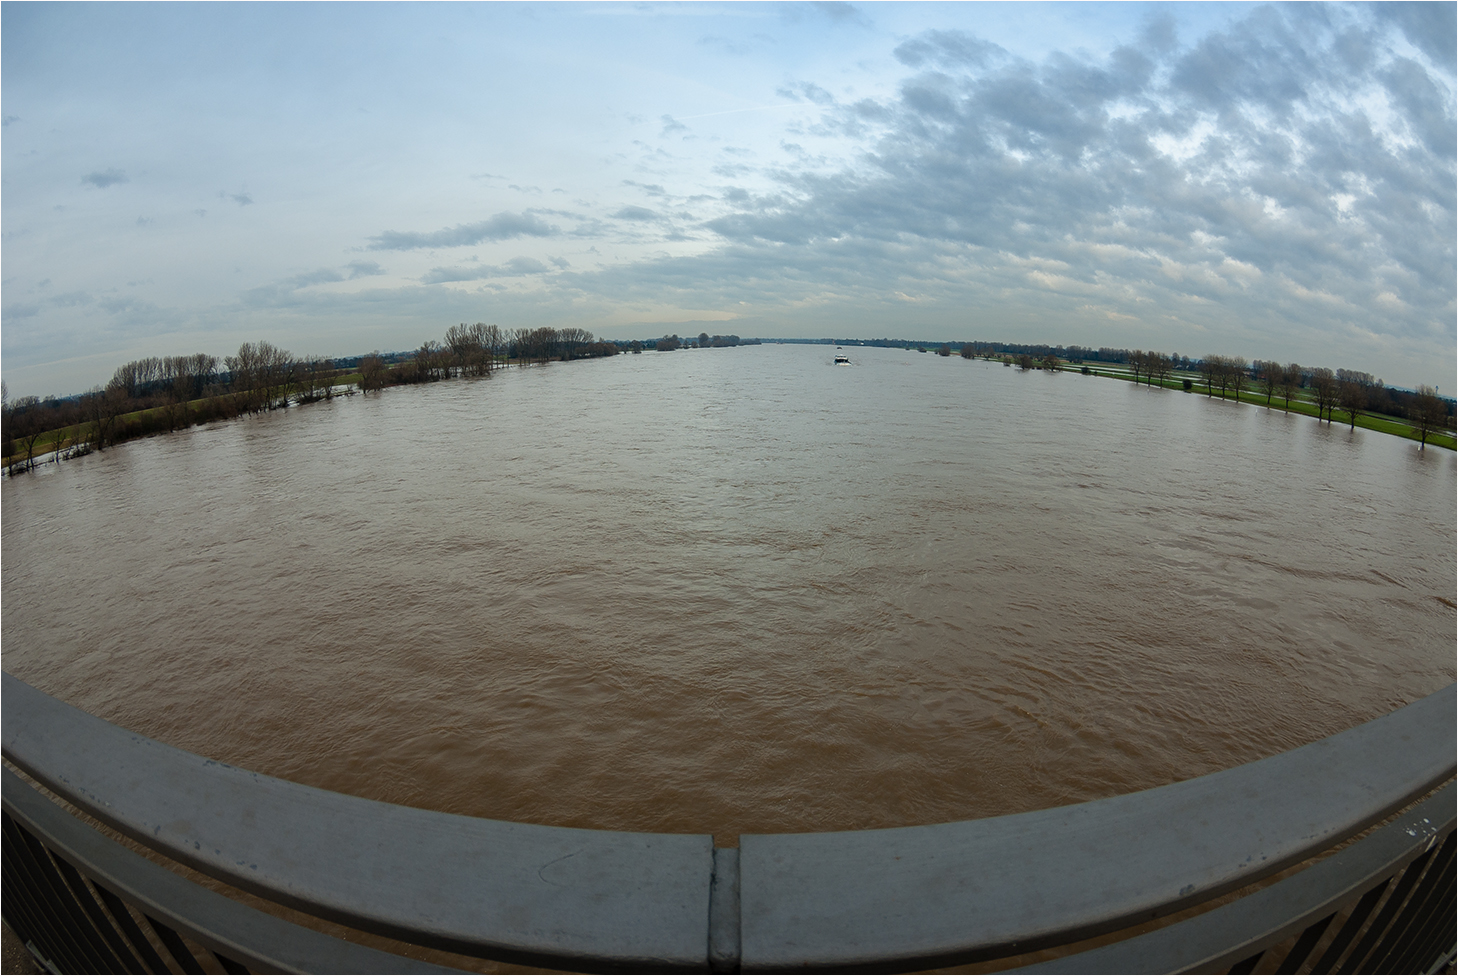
x=740, y=590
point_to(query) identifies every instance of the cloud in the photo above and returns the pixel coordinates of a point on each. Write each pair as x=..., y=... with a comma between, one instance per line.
x=500, y=227
x=241, y=199
x=806, y=90
x=436, y=276
x=1424, y=105
x=5, y=122
x=835, y=11
x=101, y=179
x=671, y=125
x=323, y=276
x=635, y=213
x=526, y=266
x=1251, y=185
x=948, y=49
x=735, y=46
x=134, y=309
x=1430, y=27
x=364, y=269
x=515, y=268
x=292, y=290
x=19, y=310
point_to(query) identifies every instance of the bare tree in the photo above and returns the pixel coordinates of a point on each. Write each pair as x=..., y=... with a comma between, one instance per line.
x=484, y=340
x=1238, y=374
x=101, y=408
x=316, y=379
x=545, y=343
x=1324, y=391
x=1209, y=372
x=432, y=362
x=372, y=372
x=458, y=346
x=58, y=441
x=521, y=340
x=1352, y=396
x=260, y=374
x=1025, y=362
x=135, y=378
x=1163, y=367
x=499, y=341
x=471, y=348
x=7, y=420
x=1050, y=362
x=1290, y=382
x=1268, y=374
x=185, y=378
x=1227, y=372
x=572, y=341
x=25, y=429
x=1428, y=413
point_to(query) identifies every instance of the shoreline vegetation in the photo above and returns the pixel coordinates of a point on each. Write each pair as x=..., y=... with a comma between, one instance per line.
x=160, y=395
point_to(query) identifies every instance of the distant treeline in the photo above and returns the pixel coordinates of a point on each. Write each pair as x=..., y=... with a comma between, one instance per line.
x=704, y=341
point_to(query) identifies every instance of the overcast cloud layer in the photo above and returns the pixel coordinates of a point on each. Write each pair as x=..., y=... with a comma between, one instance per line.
x=1272, y=182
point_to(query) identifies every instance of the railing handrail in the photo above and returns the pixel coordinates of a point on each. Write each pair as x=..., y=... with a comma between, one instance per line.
x=520, y=892
x=982, y=889
x=907, y=897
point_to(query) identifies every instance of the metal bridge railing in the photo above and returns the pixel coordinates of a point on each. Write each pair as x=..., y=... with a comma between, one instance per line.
x=876, y=900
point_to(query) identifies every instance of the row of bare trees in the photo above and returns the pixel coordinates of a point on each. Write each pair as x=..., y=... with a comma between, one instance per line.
x=1348, y=390
x=159, y=393
x=1048, y=362
x=147, y=395
x=1152, y=366
x=1230, y=373
x=475, y=350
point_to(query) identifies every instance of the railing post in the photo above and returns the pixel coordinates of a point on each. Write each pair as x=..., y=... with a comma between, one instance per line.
x=724, y=912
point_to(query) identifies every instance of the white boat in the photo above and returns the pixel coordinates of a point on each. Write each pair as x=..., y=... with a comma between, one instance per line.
x=841, y=359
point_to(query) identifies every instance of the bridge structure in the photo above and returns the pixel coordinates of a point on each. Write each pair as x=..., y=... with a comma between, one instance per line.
x=1334, y=857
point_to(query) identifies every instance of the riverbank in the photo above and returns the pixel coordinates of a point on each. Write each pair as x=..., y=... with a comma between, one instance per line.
x=1382, y=423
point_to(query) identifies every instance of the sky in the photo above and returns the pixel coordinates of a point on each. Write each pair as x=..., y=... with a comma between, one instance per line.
x=1273, y=182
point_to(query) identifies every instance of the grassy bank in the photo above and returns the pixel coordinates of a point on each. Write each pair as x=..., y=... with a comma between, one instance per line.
x=1382, y=423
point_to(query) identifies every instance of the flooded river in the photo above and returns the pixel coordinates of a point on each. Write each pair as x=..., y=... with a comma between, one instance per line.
x=740, y=590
